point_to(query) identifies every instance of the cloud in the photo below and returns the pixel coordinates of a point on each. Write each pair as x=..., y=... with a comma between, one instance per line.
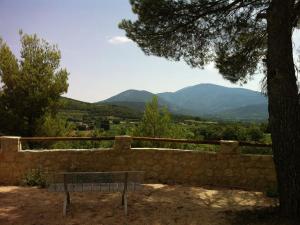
x=117, y=40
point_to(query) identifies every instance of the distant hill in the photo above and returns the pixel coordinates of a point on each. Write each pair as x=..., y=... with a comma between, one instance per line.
x=137, y=106
x=131, y=96
x=136, y=99
x=77, y=109
x=205, y=100
x=133, y=99
x=209, y=99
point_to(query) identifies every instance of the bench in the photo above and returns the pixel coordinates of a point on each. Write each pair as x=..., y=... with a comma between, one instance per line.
x=120, y=181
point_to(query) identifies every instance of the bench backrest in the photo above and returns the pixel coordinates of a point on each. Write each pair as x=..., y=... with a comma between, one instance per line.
x=96, y=181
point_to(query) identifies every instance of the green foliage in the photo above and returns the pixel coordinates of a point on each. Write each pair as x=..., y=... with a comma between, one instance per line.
x=255, y=133
x=90, y=114
x=51, y=126
x=31, y=86
x=202, y=31
x=105, y=125
x=231, y=131
x=155, y=123
x=96, y=110
x=35, y=177
x=208, y=132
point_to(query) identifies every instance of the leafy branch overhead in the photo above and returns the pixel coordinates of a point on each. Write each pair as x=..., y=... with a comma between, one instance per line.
x=231, y=33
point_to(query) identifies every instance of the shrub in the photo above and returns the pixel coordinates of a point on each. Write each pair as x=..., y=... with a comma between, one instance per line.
x=255, y=133
x=35, y=177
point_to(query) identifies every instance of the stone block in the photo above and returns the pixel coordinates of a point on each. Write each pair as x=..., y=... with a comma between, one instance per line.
x=122, y=143
x=229, y=147
x=10, y=144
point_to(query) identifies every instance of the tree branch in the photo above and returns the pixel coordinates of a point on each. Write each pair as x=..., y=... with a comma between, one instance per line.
x=296, y=14
x=211, y=9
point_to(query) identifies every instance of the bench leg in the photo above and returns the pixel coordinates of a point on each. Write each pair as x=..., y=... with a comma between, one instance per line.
x=125, y=203
x=68, y=198
x=66, y=203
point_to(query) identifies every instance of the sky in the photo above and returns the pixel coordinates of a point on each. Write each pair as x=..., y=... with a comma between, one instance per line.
x=101, y=61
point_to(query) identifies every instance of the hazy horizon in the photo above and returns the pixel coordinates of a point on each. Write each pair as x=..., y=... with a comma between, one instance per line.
x=101, y=61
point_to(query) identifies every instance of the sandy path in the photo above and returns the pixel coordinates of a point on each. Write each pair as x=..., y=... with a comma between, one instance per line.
x=156, y=205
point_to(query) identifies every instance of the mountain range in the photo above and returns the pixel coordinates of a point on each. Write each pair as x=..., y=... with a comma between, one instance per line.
x=203, y=100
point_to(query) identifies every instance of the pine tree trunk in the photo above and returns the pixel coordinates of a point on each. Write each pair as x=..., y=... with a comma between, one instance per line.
x=284, y=106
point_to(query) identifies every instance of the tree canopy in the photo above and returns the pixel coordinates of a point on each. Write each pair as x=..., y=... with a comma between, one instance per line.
x=30, y=86
x=155, y=122
x=233, y=34
x=241, y=37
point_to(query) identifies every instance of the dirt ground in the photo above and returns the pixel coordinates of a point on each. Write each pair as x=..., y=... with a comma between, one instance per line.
x=156, y=204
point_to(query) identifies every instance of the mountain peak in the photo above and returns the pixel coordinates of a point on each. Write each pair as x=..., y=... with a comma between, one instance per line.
x=203, y=99
x=131, y=95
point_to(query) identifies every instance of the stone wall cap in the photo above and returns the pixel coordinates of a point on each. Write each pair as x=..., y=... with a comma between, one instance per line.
x=228, y=141
x=10, y=137
x=123, y=137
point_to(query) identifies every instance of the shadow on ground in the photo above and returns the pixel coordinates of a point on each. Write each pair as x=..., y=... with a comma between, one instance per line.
x=156, y=204
x=259, y=216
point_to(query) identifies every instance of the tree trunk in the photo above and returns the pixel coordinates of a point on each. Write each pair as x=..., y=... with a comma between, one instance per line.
x=284, y=105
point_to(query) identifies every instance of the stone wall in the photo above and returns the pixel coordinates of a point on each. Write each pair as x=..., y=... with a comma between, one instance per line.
x=226, y=168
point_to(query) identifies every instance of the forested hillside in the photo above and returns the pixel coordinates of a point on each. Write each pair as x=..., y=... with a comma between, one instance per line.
x=91, y=114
